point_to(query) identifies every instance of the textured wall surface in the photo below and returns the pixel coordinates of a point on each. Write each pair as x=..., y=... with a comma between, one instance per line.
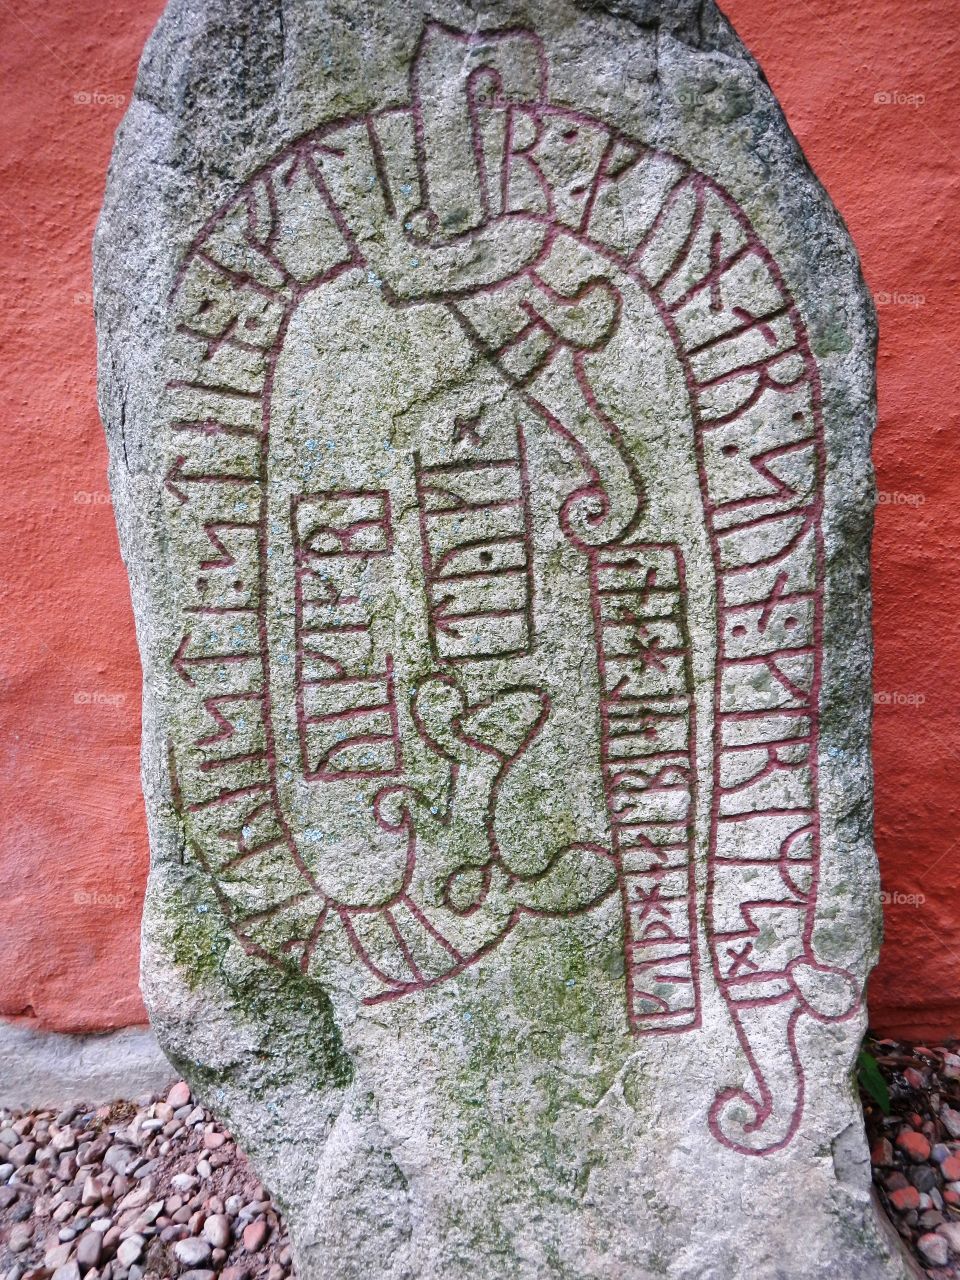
x=870, y=97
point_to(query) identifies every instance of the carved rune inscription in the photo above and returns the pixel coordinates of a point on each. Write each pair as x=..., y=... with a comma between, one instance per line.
x=411, y=615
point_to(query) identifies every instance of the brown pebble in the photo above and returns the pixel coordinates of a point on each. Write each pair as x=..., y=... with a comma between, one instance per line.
x=20, y=1238
x=881, y=1153
x=89, y=1250
x=91, y=1191
x=111, y=1239
x=56, y=1256
x=254, y=1235
x=22, y=1154
x=69, y=1271
x=179, y=1095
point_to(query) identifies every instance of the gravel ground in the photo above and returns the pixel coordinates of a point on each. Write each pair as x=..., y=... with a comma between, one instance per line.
x=156, y=1188
x=915, y=1149
x=131, y=1191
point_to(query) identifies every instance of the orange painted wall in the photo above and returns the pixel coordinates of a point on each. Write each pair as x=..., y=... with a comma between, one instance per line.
x=871, y=93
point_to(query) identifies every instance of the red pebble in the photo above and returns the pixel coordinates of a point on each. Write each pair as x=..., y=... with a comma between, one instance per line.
x=913, y=1078
x=881, y=1154
x=951, y=1169
x=255, y=1235
x=914, y=1144
x=951, y=1197
x=904, y=1199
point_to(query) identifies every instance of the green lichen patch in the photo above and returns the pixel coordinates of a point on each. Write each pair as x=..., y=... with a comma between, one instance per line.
x=290, y=1016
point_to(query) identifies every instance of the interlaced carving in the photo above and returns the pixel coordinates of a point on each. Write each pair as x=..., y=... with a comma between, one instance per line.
x=541, y=233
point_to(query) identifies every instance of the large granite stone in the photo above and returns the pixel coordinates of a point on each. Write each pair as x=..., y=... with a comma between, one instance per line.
x=489, y=392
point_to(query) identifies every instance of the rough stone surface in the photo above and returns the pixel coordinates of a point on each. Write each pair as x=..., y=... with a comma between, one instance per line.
x=489, y=395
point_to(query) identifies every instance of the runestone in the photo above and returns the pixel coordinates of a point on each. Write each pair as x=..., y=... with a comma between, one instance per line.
x=489, y=392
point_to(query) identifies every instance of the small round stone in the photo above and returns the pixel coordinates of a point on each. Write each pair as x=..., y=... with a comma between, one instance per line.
x=923, y=1177
x=255, y=1235
x=934, y=1249
x=217, y=1230
x=130, y=1250
x=20, y=1238
x=192, y=1252
x=89, y=1250
x=914, y=1144
x=69, y=1271
x=179, y=1095
x=905, y=1198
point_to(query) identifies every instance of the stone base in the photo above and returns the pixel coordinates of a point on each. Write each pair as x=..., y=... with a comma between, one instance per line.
x=48, y=1069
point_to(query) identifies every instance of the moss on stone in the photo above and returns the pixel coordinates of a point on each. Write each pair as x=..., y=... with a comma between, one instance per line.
x=291, y=1014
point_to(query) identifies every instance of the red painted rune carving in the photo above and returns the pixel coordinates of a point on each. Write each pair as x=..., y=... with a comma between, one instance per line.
x=543, y=235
